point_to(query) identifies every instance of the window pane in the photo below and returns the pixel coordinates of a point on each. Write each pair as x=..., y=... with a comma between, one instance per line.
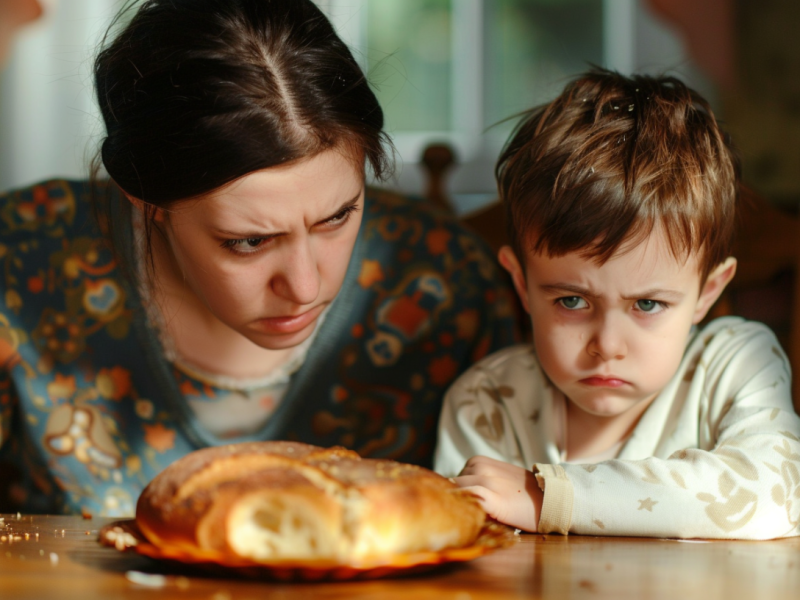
x=409, y=62
x=533, y=47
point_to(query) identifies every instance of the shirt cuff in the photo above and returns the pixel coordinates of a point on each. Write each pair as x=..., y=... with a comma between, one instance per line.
x=556, y=514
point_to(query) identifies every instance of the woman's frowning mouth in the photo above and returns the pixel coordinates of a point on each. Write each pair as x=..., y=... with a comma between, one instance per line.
x=286, y=325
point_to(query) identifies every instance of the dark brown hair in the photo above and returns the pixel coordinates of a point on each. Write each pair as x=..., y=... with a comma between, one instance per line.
x=611, y=159
x=198, y=93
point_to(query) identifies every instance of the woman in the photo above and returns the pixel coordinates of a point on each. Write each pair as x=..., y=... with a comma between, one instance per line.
x=257, y=290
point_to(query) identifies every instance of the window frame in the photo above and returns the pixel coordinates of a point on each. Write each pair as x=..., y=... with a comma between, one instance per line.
x=627, y=27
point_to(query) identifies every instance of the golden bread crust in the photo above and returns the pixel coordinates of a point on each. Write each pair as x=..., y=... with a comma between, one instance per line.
x=268, y=501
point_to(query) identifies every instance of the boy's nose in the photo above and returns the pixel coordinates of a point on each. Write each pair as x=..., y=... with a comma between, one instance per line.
x=607, y=341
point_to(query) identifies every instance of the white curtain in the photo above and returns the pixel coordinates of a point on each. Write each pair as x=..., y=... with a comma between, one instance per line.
x=49, y=124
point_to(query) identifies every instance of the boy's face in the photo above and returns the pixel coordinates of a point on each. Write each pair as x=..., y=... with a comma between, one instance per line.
x=611, y=336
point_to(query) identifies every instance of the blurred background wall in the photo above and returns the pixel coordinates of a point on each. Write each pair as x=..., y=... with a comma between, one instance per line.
x=450, y=71
x=763, y=109
x=48, y=122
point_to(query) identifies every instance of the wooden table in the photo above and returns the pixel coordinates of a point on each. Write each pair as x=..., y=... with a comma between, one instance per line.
x=65, y=561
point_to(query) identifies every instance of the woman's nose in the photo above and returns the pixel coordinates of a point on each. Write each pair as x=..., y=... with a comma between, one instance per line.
x=607, y=341
x=298, y=278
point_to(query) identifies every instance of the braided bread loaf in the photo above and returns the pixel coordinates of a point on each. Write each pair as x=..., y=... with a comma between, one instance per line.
x=272, y=501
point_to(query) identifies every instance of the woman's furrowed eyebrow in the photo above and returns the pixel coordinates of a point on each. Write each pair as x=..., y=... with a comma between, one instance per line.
x=244, y=235
x=247, y=234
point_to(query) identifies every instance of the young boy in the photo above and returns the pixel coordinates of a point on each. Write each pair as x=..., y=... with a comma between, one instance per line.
x=632, y=419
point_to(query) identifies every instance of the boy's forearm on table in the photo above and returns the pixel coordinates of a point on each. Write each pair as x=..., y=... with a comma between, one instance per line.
x=699, y=495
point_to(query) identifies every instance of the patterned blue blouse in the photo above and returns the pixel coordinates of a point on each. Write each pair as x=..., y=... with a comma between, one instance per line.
x=91, y=410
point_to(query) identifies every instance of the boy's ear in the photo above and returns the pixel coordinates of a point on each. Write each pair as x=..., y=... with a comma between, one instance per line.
x=715, y=284
x=511, y=264
x=139, y=205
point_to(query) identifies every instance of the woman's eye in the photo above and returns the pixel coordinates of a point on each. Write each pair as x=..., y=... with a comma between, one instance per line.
x=338, y=216
x=245, y=246
x=649, y=306
x=342, y=216
x=573, y=302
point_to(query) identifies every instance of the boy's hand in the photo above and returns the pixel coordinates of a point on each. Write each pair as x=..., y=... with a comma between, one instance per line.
x=507, y=493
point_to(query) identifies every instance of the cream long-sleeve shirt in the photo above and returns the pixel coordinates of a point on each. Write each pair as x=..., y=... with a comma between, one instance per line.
x=716, y=454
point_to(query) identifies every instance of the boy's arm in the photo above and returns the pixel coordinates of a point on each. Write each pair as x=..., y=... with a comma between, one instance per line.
x=457, y=440
x=472, y=454
x=473, y=422
x=745, y=485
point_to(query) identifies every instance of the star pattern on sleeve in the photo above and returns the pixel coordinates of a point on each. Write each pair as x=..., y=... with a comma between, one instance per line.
x=647, y=504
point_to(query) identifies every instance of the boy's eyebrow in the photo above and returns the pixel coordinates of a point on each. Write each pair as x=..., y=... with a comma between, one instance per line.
x=558, y=288
x=666, y=294
x=661, y=293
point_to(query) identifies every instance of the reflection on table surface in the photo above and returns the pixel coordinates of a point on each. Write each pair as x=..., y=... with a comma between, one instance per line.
x=45, y=557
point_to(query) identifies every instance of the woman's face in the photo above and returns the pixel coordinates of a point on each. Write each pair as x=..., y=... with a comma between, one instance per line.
x=268, y=253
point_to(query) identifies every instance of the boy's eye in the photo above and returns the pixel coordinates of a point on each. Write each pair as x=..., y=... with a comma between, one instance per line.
x=572, y=302
x=649, y=306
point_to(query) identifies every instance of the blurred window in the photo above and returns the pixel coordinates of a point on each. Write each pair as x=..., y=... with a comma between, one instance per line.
x=532, y=47
x=410, y=61
x=457, y=71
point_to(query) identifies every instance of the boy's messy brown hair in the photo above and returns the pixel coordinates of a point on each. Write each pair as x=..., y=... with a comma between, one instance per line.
x=614, y=157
